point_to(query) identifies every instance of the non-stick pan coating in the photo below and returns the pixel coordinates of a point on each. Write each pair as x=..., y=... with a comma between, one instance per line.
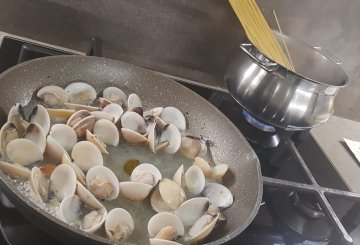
x=19, y=83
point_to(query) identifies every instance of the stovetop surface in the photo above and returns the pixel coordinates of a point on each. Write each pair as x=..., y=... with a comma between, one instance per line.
x=267, y=228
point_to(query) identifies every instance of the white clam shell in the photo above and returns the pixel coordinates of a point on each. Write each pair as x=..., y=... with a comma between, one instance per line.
x=134, y=101
x=77, y=117
x=146, y=168
x=174, y=116
x=191, y=210
x=133, y=121
x=195, y=180
x=80, y=176
x=96, y=141
x=78, y=107
x=94, y=220
x=172, y=135
x=157, y=203
x=41, y=116
x=153, y=112
x=103, y=115
x=86, y=155
x=114, y=110
x=60, y=114
x=103, y=174
x=152, y=138
x=118, y=217
x=190, y=147
x=219, y=171
x=80, y=93
x=54, y=149
x=202, y=228
x=115, y=95
x=219, y=195
x=154, y=241
x=133, y=137
x=159, y=221
x=16, y=111
x=53, y=95
x=107, y=132
x=23, y=151
x=135, y=191
x=15, y=170
x=104, y=102
x=8, y=133
x=204, y=165
x=172, y=194
x=69, y=210
x=63, y=181
x=65, y=135
x=86, y=123
x=39, y=184
x=35, y=133
x=179, y=176
x=87, y=198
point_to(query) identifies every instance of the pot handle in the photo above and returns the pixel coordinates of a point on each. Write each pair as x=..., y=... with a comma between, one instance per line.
x=259, y=57
x=328, y=55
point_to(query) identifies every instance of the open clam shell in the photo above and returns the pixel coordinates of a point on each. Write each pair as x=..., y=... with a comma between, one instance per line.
x=78, y=107
x=134, y=101
x=8, y=133
x=133, y=137
x=153, y=112
x=80, y=93
x=103, y=183
x=86, y=155
x=96, y=141
x=172, y=135
x=65, y=135
x=119, y=224
x=103, y=115
x=54, y=149
x=35, y=133
x=215, y=173
x=219, y=195
x=94, y=220
x=195, y=180
x=53, y=96
x=174, y=116
x=39, y=184
x=162, y=220
x=191, y=210
x=179, y=176
x=23, y=151
x=133, y=121
x=146, y=173
x=115, y=95
x=107, y=132
x=202, y=228
x=77, y=117
x=15, y=170
x=60, y=114
x=114, y=110
x=86, y=123
x=63, y=181
x=87, y=198
x=41, y=116
x=135, y=191
x=192, y=147
x=16, y=115
x=80, y=176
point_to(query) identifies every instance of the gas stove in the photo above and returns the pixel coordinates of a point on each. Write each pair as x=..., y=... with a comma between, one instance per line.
x=295, y=209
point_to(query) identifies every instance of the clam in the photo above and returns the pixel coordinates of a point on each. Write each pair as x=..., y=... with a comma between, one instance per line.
x=168, y=196
x=103, y=115
x=219, y=195
x=133, y=137
x=179, y=176
x=41, y=116
x=86, y=123
x=174, y=116
x=80, y=176
x=16, y=115
x=60, y=114
x=134, y=101
x=15, y=170
x=213, y=211
x=115, y=95
x=65, y=135
x=54, y=149
x=86, y=155
x=119, y=224
x=143, y=178
x=195, y=180
x=63, y=181
x=87, y=198
x=171, y=135
x=114, y=110
x=103, y=183
x=80, y=93
x=8, y=133
x=165, y=226
x=39, y=184
x=192, y=147
x=35, y=133
x=96, y=141
x=77, y=117
x=78, y=107
x=202, y=228
x=53, y=96
x=94, y=220
x=133, y=121
x=47, y=169
x=104, y=102
x=107, y=132
x=153, y=112
x=23, y=151
x=191, y=210
x=215, y=173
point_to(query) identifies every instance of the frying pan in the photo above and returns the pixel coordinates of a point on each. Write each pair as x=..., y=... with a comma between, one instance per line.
x=19, y=84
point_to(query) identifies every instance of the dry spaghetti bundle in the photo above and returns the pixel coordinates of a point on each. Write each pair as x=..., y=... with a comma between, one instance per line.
x=258, y=31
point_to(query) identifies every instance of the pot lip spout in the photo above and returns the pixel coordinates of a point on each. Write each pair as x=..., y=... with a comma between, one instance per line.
x=248, y=46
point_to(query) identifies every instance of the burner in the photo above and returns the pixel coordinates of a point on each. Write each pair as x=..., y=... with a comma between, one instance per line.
x=300, y=216
x=256, y=123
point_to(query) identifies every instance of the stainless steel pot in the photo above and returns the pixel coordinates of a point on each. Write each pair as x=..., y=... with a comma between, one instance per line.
x=282, y=98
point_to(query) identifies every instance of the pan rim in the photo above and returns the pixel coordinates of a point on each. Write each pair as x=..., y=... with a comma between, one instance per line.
x=64, y=225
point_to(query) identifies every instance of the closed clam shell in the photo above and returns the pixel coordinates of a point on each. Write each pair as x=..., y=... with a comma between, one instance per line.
x=115, y=95
x=103, y=183
x=86, y=155
x=191, y=210
x=114, y=110
x=41, y=116
x=172, y=135
x=63, y=181
x=80, y=93
x=133, y=121
x=195, y=180
x=219, y=195
x=134, y=101
x=139, y=174
x=174, y=116
x=35, y=133
x=64, y=135
x=119, y=224
x=135, y=191
x=8, y=133
x=15, y=170
x=23, y=151
x=54, y=149
x=202, y=228
x=52, y=95
x=107, y=132
x=161, y=220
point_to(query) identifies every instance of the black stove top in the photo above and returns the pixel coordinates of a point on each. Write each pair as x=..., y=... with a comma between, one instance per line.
x=291, y=212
